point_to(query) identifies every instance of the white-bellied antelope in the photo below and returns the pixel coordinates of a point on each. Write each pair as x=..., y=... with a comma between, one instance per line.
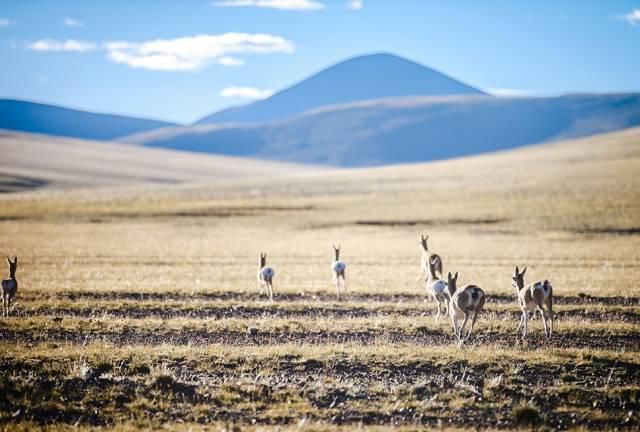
x=338, y=267
x=437, y=288
x=265, y=277
x=466, y=301
x=535, y=296
x=426, y=258
x=9, y=287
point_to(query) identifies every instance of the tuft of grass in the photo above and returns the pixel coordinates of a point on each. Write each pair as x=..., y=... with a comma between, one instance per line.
x=526, y=415
x=79, y=369
x=163, y=375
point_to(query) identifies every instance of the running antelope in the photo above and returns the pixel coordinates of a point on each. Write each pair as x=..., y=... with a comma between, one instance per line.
x=437, y=288
x=265, y=277
x=9, y=287
x=535, y=296
x=338, y=268
x=464, y=302
x=426, y=258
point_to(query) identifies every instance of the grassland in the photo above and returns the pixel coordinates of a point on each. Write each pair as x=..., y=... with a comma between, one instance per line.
x=138, y=306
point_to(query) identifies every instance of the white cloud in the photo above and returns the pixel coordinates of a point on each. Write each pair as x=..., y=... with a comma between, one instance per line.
x=70, y=45
x=193, y=52
x=5, y=22
x=246, y=92
x=230, y=61
x=272, y=4
x=633, y=17
x=355, y=4
x=509, y=92
x=70, y=22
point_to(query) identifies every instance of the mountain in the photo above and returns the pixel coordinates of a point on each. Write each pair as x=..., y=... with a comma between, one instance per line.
x=33, y=161
x=409, y=129
x=54, y=120
x=366, y=77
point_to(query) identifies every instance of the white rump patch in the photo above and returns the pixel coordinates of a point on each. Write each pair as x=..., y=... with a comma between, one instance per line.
x=267, y=273
x=338, y=266
x=438, y=286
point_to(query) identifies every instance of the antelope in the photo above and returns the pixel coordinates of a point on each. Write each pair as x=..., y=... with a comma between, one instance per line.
x=535, y=296
x=426, y=256
x=338, y=268
x=265, y=277
x=436, y=287
x=9, y=287
x=464, y=302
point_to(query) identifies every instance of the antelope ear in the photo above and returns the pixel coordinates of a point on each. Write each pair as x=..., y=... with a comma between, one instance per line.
x=449, y=276
x=517, y=270
x=456, y=278
x=15, y=260
x=8, y=260
x=524, y=270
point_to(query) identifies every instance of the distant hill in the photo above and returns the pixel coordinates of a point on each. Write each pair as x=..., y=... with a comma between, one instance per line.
x=54, y=120
x=366, y=77
x=409, y=129
x=32, y=161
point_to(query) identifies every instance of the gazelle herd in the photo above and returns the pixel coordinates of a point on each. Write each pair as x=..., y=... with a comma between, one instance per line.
x=461, y=304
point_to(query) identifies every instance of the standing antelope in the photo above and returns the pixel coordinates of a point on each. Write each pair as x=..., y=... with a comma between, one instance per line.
x=265, y=277
x=535, y=296
x=426, y=257
x=338, y=268
x=465, y=301
x=436, y=287
x=9, y=287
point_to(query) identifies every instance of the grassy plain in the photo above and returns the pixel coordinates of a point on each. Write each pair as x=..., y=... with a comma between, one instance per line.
x=138, y=306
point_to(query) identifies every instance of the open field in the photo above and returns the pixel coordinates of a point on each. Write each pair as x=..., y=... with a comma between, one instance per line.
x=138, y=307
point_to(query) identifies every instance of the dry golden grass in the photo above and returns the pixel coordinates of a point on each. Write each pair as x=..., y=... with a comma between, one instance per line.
x=130, y=281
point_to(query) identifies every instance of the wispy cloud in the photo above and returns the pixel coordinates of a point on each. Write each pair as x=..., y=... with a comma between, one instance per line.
x=5, y=22
x=298, y=5
x=193, y=52
x=70, y=22
x=633, y=17
x=246, y=92
x=509, y=92
x=230, y=61
x=70, y=45
x=355, y=4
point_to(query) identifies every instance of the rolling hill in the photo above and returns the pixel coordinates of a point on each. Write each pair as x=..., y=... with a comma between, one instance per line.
x=35, y=161
x=54, y=120
x=408, y=129
x=366, y=77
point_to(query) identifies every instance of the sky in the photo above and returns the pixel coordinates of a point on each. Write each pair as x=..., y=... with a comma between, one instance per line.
x=181, y=60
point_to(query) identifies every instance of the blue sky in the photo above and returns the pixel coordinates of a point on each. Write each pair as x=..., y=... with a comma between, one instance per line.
x=180, y=60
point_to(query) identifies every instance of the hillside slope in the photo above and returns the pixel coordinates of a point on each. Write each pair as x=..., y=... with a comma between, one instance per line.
x=34, y=161
x=360, y=78
x=55, y=120
x=412, y=129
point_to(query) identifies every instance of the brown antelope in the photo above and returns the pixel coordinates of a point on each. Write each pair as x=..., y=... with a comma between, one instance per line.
x=436, y=287
x=265, y=277
x=464, y=302
x=9, y=287
x=426, y=257
x=338, y=267
x=535, y=296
